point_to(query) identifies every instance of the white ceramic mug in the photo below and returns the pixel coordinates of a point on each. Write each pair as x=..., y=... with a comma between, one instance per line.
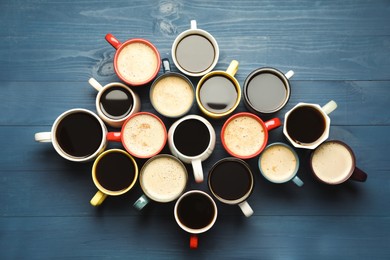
x=119, y=93
x=77, y=135
x=192, y=140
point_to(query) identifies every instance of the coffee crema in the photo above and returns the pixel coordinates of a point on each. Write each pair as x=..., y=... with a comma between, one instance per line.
x=144, y=135
x=137, y=62
x=163, y=179
x=332, y=162
x=278, y=163
x=172, y=96
x=244, y=136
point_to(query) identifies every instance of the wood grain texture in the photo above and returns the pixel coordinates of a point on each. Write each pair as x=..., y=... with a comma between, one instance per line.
x=338, y=50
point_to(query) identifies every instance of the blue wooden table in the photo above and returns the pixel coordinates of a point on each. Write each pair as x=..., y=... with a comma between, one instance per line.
x=338, y=50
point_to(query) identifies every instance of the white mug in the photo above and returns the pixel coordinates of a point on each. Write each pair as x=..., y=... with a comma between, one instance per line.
x=192, y=139
x=125, y=93
x=77, y=135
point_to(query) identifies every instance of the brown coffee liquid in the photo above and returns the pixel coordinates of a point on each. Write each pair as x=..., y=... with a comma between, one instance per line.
x=195, y=53
x=230, y=180
x=191, y=137
x=116, y=102
x=115, y=171
x=195, y=211
x=218, y=94
x=305, y=124
x=266, y=92
x=79, y=134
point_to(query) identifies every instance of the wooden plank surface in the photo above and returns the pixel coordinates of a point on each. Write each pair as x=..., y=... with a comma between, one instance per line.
x=338, y=50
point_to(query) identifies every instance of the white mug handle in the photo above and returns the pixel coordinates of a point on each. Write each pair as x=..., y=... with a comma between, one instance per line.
x=297, y=181
x=95, y=84
x=289, y=74
x=329, y=107
x=193, y=25
x=246, y=209
x=141, y=202
x=43, y=137
x=198, y=171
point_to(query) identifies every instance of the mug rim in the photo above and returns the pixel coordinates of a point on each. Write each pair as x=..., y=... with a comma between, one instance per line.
x=123, y=129
x=120, y=120
x=70, y=157
x=166, y=75
x=348, y=148
x=96, y=181
x=201, y=32
x=247, y=194
x=258, y=119
x=225, y=75
x=158, y=156
x=128, y=42
x=290, y=149
x=200, y=230
x=280, y=75
x=317, y=142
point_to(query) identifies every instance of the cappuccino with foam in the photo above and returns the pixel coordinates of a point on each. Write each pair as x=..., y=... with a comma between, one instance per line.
x=163, y=178
x=332, y=162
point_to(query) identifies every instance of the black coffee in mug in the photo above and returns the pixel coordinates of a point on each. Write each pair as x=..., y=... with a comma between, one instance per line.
x=218, y=94
x=230, y=180
x=116, y=102
x=79, y=134
x=115, y=171
x=305, y=124
x=195, y=53
x=191, y=137
x=196, y=211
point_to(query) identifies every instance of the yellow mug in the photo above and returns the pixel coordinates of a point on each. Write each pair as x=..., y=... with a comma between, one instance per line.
x=218, y=93
x=114, y=173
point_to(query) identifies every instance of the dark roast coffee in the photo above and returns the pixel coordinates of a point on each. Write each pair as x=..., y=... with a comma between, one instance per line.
x=230, y=180
x=218, y=94
x=305, y=124
x=266, y=92
x=115, y=171
x=196, y=211
x=79, y=134
x=191, y=137
x=116, y=102
x=195, y=53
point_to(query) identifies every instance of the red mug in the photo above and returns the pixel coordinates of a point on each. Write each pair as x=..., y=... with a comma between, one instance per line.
x=244, y=135
x=136, y=62
x=143, y=135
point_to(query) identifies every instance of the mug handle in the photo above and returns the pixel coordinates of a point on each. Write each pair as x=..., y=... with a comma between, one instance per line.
x=233, y=68
x=198, y=171
x=95, y=84
x=289, y=74
x=98, y=198
x=113, y=41
x=358, y=175
x=114, y=136
x=194, y=241
x=297, y=181
x=166, y=65
x=273, y=123
x=246, y=208
x=329, y=107
x=193, y=25
x=141, y=202
x=43, y=137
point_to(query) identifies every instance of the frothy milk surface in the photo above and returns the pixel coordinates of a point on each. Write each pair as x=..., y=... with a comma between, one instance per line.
x=278, y=163
x=244, y=136
x=137, y=62
x=144, y=135
x=163, y=179
x=332, y=162
x=172, y=96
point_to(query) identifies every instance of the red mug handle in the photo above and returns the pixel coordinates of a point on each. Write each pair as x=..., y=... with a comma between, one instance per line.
x=194, y=242
x=272, y=123
x=114, y=136
x=113, y=41
x=359, y=175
